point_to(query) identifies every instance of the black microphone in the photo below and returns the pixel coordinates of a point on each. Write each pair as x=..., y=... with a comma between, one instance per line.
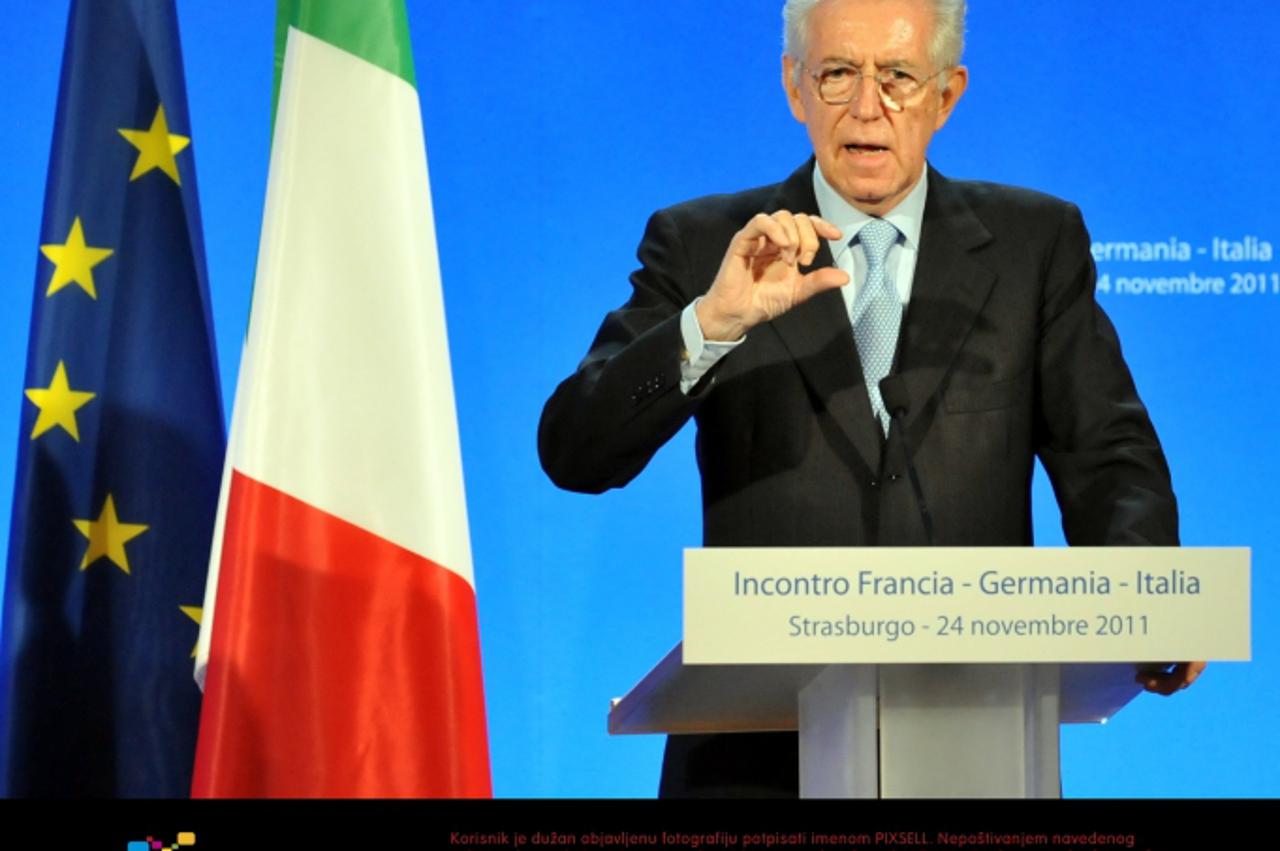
x=897, y=401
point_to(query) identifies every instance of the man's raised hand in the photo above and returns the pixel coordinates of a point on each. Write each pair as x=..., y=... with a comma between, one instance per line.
x=760, y=278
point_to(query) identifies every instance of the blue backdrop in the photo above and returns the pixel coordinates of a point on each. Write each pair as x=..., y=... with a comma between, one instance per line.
x=554, y=128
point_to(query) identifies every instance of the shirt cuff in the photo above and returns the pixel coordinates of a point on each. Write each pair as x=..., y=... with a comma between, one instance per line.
x=699, y=354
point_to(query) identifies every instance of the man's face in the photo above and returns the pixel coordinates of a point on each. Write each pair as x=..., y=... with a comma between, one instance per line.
x=870, y=152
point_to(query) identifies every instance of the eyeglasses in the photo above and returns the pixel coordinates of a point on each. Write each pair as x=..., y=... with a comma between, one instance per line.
x=842, y=84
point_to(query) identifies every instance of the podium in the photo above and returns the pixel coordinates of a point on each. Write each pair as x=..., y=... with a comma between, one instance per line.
x=934, y=717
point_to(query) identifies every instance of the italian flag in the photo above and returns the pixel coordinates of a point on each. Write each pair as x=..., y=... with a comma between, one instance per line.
x=339, y=648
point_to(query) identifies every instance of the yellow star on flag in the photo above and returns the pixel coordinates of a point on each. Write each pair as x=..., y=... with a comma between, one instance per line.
x=196, y=613
x=107, y=536
x=58, y=404
x=74, y=261
x=157, y=147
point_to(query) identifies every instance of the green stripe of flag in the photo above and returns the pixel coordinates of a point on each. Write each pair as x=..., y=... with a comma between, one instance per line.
x=375, y=30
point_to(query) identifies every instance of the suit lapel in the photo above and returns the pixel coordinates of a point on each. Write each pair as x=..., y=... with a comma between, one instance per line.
x=819, y=338
x=948, y=292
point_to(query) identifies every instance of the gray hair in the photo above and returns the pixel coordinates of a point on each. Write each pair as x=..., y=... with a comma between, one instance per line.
x=944, y=51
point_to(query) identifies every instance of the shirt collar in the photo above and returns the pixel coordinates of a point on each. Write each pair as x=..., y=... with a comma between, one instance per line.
x=907, y=217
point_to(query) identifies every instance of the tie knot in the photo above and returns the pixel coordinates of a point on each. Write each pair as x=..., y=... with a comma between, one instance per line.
x=877, y=237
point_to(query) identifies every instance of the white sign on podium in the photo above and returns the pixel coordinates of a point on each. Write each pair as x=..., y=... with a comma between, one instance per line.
x=932, y=672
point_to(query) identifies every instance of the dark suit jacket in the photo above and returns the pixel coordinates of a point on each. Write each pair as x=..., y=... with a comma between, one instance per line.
x=1005, y=356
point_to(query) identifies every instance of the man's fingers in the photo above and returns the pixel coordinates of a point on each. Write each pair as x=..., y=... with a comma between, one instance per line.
x=824, y=228
x=763, y=227
x=808, y=239
x=790, y=250
x=1169, y=682
x=826, y=278
x=796, y=237
x=1165, y=684
x=1159, y=681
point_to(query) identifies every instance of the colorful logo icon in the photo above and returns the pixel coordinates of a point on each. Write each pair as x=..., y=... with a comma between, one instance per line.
x=184, y=840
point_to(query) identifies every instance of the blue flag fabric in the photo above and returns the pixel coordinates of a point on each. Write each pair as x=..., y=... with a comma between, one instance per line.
x=122, y=438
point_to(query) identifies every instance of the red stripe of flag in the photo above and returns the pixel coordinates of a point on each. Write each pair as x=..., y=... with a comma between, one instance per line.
x=341, y=665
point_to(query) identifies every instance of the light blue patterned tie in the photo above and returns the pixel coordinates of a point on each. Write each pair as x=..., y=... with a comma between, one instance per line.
x=877, y=312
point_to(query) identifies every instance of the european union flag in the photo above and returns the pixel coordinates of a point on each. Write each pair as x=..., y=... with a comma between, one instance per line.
x=122, y=438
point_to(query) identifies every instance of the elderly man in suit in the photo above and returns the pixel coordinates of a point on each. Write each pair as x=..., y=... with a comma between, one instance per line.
x=772, y=316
